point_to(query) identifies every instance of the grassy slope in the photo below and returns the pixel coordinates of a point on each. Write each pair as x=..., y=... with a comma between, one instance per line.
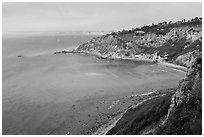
x=186, y=120
x=135, y=120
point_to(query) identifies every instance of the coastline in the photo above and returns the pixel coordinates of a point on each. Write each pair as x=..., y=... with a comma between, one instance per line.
x=105, y=128
x=174, y=66
x=105, y=57
x=76, y=118
x=162, y=63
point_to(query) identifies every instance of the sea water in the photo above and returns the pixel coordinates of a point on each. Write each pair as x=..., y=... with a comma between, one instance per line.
x=40, y=88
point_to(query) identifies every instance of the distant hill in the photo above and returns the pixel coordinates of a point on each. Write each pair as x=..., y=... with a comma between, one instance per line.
x=177, y=42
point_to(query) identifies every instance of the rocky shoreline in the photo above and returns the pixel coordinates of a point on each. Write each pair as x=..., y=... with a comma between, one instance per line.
x=163, y=63
x=105, y=128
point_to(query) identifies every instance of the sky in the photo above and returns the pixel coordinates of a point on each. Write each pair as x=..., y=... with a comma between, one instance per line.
x=92, y=16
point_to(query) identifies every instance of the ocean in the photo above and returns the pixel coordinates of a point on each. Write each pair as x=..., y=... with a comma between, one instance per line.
x=46, y=93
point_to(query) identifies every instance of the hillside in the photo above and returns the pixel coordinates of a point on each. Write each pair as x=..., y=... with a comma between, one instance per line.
x=178, y=112
x=177, y=43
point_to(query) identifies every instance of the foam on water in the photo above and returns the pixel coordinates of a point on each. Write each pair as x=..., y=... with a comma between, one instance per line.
x=94, y=74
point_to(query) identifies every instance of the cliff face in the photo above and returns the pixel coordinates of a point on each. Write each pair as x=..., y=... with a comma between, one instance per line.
x=185, y=111
x=177, y=112
x=169, y=41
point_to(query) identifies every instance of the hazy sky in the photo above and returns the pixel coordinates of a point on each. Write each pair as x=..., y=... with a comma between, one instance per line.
x=92, y=16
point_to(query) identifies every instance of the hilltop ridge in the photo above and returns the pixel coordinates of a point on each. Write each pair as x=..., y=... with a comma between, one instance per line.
x=177, y=43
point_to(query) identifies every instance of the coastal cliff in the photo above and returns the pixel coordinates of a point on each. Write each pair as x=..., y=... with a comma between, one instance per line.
x=177, y=112
x=177, y=43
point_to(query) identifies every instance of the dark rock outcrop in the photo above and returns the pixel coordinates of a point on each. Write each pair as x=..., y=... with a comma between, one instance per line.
x=185, y=112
